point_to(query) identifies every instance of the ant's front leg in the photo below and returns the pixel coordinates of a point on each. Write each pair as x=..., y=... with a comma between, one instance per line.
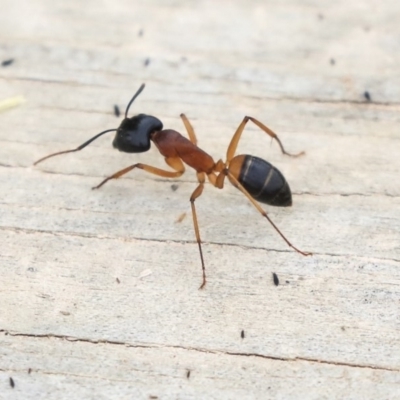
x=173, y=162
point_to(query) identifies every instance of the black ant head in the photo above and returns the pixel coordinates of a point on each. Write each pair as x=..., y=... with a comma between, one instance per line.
x=133, y=135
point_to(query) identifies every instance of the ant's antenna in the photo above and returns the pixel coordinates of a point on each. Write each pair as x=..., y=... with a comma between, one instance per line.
x=133, y=98
x=94, y=137
x=77, y=149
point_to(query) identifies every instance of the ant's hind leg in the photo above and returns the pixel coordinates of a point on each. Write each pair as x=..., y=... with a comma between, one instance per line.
x=236, y=137
x=237, y=184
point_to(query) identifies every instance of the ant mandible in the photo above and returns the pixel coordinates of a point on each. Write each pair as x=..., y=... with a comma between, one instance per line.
x=256, y=178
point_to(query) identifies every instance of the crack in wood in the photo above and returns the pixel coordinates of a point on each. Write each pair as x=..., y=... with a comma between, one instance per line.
x=156, y=346
x=360, y=102
x=132, y=239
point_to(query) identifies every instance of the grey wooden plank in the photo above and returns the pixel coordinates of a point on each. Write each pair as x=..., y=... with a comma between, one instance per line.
x=64, y=246
x=333, y=309
x=124, y=371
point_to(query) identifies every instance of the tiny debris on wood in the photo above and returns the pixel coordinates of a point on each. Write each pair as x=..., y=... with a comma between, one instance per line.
x=145, y=273
x=117, y=279
x=117, y=113
x=276, y=279
x=367, y=96
x=181, y=218
x=287, y=281
x=29, y=370
x=174, y=187
x=242, y=334
x=8, y=62
x=12, y=384
x=153, y=397
x=11, y=102
x=188, y=374
x=332, y=61
x=140, y=33
x=146, y=62
x=320, y=16
x=65, y=313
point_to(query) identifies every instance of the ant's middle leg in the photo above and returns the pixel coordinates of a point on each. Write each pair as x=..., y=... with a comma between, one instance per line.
x=197, y=193
x=236, y=137
x=173, y=162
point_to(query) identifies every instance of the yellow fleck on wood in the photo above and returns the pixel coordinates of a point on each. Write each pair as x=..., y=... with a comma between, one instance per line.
x=11, y=102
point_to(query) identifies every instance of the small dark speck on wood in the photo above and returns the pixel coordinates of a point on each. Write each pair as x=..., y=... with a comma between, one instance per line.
x=117, y=113
x=242, y=334
x=29, y=370
x=174, y=187
x=188, y=374
x=276, y=279
x=8, y=62
x=367, y=96
x=117, y=279
x=146, y=62
x=332, y=61
x=140, y=33
x=12, y=384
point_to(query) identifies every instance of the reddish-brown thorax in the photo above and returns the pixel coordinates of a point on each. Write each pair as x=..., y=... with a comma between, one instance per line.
x=172, y=144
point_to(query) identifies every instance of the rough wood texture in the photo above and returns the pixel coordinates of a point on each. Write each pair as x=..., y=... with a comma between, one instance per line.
x=98, y=289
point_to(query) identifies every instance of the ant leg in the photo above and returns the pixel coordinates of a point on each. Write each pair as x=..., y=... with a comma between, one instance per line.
x=189, y=129
x=173, y=162
x=236, y=137
x=197, y=193
x=219, y=183
x=237, y=184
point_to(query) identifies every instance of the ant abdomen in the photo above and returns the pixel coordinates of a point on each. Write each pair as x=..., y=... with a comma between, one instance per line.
x=262, y=180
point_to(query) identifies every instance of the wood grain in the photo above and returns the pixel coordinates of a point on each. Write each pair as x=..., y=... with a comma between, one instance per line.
x=98, y=289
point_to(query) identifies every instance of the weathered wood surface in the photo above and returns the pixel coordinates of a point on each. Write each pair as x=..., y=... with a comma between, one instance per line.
x=332, y=327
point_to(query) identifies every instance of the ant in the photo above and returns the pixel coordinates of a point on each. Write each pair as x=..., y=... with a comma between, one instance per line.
x=256, y=178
